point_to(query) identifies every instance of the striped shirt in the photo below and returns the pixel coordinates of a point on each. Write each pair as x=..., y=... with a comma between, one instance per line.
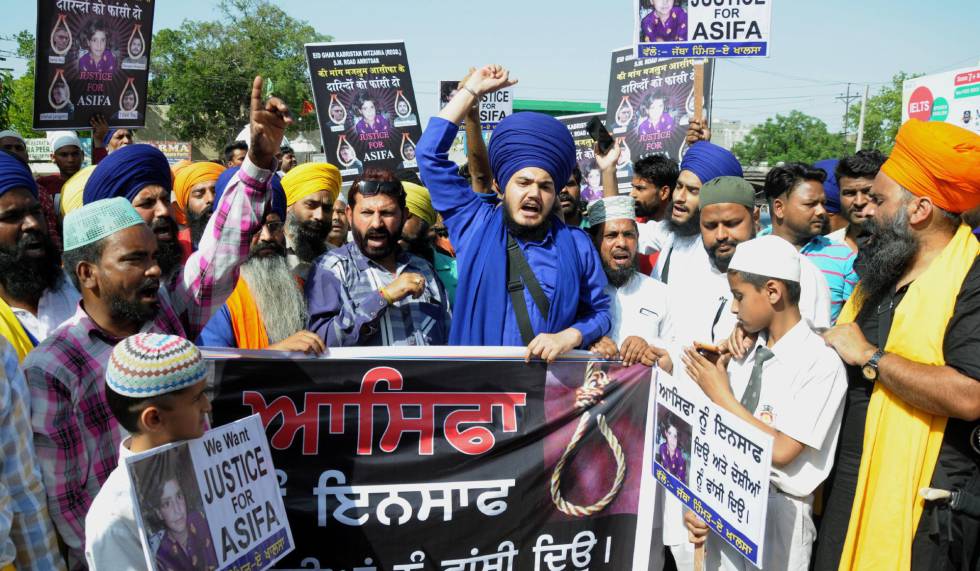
x=836, y=261
x=27, y=538
x=75, y=435
x=347, y=309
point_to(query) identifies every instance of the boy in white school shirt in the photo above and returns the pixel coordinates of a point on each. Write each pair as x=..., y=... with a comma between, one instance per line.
x=791, y=385
x=155, y=387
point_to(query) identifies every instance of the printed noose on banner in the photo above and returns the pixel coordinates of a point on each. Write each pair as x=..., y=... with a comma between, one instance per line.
x=587, y=396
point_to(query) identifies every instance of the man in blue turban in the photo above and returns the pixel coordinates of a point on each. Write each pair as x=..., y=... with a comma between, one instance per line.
x=525, y=278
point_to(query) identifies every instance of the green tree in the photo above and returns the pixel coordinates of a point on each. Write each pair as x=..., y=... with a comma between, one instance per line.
x=21, y=90
x=203, y=70
x=796, y=137
x=883, y=115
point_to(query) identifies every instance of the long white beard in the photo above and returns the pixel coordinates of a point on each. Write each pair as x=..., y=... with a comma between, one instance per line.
x=281, y=303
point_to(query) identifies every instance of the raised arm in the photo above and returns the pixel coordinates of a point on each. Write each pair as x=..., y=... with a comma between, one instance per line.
x=607, y=166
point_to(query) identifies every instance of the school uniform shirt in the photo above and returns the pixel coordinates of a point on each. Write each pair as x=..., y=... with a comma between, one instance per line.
x=802, y=396
x=637, y=309
x=112, y=539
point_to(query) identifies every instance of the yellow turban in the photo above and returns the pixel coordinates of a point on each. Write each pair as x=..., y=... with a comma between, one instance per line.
x=187, y=177
x=71, y=191
x=307, y=178
x=419, y=202
x=939, y=161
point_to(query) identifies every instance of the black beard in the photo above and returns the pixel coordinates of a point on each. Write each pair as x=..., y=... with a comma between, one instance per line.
x=884, y=257
x=642, y=211
x=689, y=228
x=619, y=276
x=391, y=243
x=526, y=233
x=197, y=223
x=309, y=239
x=169, y=254
x=25, y=277
x=131, y=311
x=720, y=263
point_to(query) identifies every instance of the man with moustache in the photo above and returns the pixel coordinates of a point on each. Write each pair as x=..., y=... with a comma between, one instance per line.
x=796, y=203
x=370, y=292
x=855, y=175
x=311, y=190
x=910, y=336
x=113, y=258
x=339, y=224
x=525, y=277
x=194, y=200
x=14, y=143
x=35, y=298
x=66, y=153
x=654, y=179
x=570, y=199
x=267, y=310
x=421, y=217
x=141, y=174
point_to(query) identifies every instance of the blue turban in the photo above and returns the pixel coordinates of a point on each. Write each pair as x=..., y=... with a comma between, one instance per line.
x=108, y=137
x=15, y=174
x=530, y=139
x=709, y=161
x=126, y=172
x=830, y=187
x=277, y=199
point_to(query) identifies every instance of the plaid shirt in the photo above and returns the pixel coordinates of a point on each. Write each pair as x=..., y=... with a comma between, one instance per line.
x=76, y=437
x=27, y=537
x=347, y=309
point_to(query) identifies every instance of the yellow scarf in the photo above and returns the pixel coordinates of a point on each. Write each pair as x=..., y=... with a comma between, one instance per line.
x=13, y=331
x=901, y=443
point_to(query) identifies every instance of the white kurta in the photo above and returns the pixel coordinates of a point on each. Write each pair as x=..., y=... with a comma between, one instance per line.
x=112, y=538
x=637, y=309
x=55, y=307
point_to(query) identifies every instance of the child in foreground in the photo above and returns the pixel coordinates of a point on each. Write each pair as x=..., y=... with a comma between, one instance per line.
x=790, y=385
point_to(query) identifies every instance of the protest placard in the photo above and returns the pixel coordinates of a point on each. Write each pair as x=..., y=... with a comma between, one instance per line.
x=494, y=107
x=716, y=464
x=212, y=502
x=701, y=28
x=453, y=458
x=365, y=105
x=650, y=105
x=950, y=96
x=91, y=57
x=585, y=153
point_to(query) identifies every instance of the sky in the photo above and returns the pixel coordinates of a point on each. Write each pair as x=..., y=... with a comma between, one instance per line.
x=561, y=50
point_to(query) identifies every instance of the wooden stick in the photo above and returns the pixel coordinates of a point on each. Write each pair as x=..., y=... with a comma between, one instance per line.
x=699, y=558
x=699, y=91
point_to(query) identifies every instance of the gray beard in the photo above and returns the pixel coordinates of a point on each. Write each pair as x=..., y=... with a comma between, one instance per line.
x=279, y=299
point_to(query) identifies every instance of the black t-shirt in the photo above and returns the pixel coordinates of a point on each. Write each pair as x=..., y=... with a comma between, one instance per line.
x=958, y=466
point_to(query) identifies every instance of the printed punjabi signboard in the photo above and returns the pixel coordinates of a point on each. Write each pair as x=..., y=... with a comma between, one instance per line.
x=650, y=105
x=365, y=104
x=92, y=57
x=212, y=502
x=701, y=28
x=716, y=464
x=951, y=96
x=433, y=459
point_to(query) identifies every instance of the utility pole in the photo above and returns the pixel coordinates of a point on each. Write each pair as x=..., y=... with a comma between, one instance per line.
x=847, y=105
x=864, y=107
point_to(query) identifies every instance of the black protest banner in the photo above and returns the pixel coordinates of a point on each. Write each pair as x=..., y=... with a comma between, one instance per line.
x=365, y=104
x=444, y=463
x=91, y=57
x=650, y=105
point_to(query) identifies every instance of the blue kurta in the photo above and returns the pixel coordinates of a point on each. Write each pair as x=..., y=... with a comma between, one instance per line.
x=565, y=262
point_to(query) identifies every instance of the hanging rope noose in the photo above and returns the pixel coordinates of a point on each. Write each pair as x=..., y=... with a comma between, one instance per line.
x=586, y=396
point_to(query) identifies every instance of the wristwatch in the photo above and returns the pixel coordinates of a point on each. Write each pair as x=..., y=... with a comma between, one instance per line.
x=870, y=369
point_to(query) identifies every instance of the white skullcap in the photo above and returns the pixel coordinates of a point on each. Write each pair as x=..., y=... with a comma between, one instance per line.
x=769, y=256
x=12, y=133
x=64, y=139
x=612, y=208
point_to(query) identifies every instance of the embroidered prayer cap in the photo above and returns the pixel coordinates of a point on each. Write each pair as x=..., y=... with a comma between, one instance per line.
x=307, y=178
x=152, y=364
x=530, y=139
x=769, y=256
x=97, y=220
x=186, y=178
x=727, y=190
x=939, y=161
x=71, y=191
x=831, y=188
x=15, y=174
x=419, y=202
x=612, y=208
x=127, y=171
x=59, y=139
x=708, y=161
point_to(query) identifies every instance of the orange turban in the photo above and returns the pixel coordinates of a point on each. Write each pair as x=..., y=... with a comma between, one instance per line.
x=939, y=161
x=187, y=177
